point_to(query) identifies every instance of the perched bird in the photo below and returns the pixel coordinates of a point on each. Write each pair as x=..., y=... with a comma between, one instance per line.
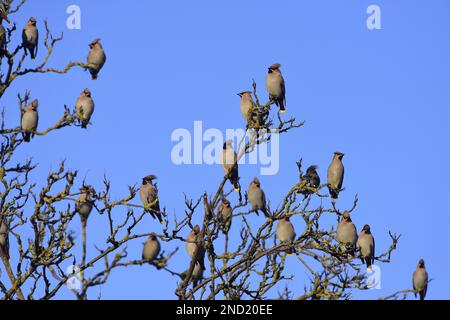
x=30, y=37
x=366, y=246
x=420, y=280
x=96, y=58
x=346, y=232
x=3, y=13
x=311, y=179
x=30, y=119
x=247, y=104
x=285, y=231
x=225, y=215
x=85, y=107
x=85, y=202
x=151, y=248
x=192, y=242
x=4, y=239
x=230, y=165
x=257, y=198
x=275, y=86
x=335, y=175
x=149, y=195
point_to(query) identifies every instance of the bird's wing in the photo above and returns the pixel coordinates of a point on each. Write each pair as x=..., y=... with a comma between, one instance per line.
x=37, y=43
x=24, y=35
x=283, y=90
x=373, y=248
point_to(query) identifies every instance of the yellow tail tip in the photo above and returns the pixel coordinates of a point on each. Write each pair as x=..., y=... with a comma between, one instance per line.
x=283, y=111
x=289, y=254
x=237, y=189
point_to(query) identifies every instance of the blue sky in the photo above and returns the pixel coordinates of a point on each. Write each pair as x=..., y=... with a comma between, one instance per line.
x=379, y=96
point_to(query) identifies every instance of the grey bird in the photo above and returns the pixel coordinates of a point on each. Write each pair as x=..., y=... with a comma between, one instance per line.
x=420, y=280
x=285, y=232
x=30, y=38
x=366, y=246
x=84, y=107
x=3, y=13
x=311, y=179
x=225, y=215
x=275, y=86
x=85, y=202
x=193, y=240
x=257, y=197
x=151, y=248
x=30, y=119
x=149, y=195
x=346, y=232
x=335, y=175
x=247, y=104
x=230, y=165
x=96, y=58
x=4, y=239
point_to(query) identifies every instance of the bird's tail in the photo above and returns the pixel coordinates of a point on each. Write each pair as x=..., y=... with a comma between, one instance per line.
x=236, y=185
x=84, y=124
x=27, y=136
x=152, y=213
x=282, y=107
x=94, y=74
x=159, y=217
x=368, y=262
x=333, y=193
x=289, y=251
x=225, y=226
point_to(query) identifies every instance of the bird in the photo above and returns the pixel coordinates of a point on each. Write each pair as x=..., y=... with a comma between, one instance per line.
x=311, y=179
x=366, y=246
x=335, y=175
x=257, y=198
x=247, y=104
x=85, y=202
x=230, y=165
x=96, y=58
x=275, y=86
x=4, y=239
x=346, y=232
x=225, y=215
x=285, y=231
x=151, y=248
x=149, y=195
x=30, y=119
x=84, y=107
x=192, y=242
x=420, y=280
x=30, y=37
x=3, y=13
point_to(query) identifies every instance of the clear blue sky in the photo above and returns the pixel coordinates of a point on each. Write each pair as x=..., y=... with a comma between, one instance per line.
x=382, y=97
